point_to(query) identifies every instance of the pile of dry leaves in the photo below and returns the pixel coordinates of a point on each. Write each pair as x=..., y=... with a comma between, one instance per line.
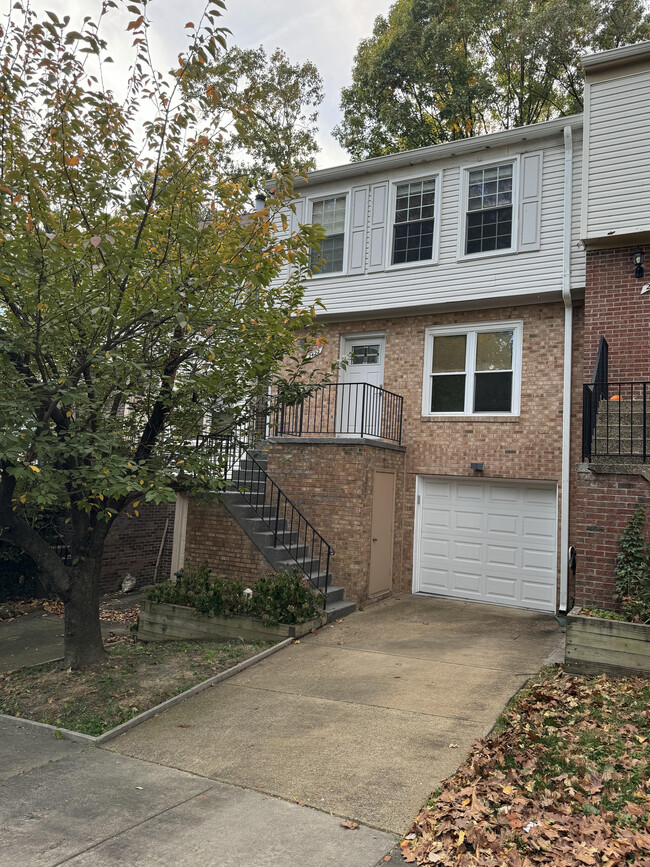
x=106, y=612
x=566, y=783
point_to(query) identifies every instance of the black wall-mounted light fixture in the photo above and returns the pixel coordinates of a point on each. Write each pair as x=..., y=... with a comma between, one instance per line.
x=638, y=264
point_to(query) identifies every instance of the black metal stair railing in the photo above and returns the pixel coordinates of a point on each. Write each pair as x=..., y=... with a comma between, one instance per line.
x=592, y=395
x=291, y=530
x=341, y=409
x=615, y=420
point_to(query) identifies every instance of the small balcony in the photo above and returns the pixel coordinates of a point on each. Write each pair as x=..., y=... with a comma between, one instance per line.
x=352, y=410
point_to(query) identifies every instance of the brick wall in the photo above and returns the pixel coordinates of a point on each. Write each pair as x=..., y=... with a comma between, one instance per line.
x=525, y=447
x=133, y=543
x=615, y=309
x=604, y=505
x=332, y=484
x=215, y=538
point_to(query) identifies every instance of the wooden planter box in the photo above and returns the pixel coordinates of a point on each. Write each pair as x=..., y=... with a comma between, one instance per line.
x=595, y=646
x=162, y=622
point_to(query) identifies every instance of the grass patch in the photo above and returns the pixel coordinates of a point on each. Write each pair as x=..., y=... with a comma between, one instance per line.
x=134, y=678
x=603, y=614
x=564, y=778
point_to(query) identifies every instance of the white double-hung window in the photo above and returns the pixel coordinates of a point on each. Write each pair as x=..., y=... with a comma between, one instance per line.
x=489, y=220
x=473, y=370
x=330, y=213
x=414, y=225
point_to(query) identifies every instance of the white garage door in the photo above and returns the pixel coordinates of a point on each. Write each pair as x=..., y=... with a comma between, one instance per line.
x=487, y=541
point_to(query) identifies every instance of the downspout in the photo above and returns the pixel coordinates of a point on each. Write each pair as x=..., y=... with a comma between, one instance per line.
x=566, y=399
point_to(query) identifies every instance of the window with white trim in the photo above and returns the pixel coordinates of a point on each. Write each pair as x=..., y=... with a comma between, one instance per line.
x=414, y=221
x=473, y=370
x=489, y=215
x=330, y=213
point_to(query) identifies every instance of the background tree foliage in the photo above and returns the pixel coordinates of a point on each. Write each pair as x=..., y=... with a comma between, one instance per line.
x=439, y=70
x=274, y=108
x=139, y=296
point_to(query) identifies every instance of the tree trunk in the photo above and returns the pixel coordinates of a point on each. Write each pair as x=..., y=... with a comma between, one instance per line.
x=82, y=633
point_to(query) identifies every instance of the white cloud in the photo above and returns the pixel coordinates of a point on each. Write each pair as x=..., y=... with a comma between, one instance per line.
x=326, y=33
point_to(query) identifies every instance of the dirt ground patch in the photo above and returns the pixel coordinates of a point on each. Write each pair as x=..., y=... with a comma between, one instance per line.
x=134, y=678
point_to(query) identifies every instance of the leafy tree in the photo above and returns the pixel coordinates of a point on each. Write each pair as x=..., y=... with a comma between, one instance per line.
x=139, y=295
x=274, y=108
x=440, y=70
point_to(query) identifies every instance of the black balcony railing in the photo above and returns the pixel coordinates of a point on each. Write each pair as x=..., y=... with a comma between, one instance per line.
x=615, y=420
x=292, y=532
x=342, y=409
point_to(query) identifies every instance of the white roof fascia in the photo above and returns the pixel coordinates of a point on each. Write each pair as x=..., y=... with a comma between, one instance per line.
x=476, y=144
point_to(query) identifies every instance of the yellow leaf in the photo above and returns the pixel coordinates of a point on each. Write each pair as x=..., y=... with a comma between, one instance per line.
x=68, y=414
x=23, y=498
x=36, y=469
x=136, y=513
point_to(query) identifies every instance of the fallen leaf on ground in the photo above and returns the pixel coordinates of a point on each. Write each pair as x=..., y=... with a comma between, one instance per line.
x=351, y=825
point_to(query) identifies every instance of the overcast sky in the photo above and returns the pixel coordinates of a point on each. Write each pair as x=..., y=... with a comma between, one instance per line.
x=324, y=31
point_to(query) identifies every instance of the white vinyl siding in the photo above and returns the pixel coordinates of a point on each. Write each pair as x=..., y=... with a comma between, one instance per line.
x=535, y=272
x=487, y=540
x=618, y=150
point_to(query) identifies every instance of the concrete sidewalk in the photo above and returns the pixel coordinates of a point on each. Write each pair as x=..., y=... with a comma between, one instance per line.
x=61, y=803
x=364, y=718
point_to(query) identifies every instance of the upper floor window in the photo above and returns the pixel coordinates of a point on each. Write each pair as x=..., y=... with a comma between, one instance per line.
x=330, y=213
x=489, y=209
x=473, y=370
x=414, y=221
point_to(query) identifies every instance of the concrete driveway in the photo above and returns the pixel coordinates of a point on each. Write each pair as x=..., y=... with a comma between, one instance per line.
x=364, y=718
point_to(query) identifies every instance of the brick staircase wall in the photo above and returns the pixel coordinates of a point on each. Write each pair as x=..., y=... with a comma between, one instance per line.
x=604, y=503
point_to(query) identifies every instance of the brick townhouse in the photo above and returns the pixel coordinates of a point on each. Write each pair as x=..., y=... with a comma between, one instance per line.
x=468, y=285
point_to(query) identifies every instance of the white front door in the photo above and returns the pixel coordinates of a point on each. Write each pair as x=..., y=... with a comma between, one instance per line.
x=486, y=540
x=360, y=405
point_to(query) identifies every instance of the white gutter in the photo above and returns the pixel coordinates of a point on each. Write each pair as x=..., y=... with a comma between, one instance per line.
x=566, y=399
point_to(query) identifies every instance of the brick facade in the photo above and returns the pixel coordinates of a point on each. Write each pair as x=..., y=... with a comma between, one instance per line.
x=332, y=484
x=133, y=544
x=615, y=309
x=214, y=537
x=525, y=447
x=603, y=503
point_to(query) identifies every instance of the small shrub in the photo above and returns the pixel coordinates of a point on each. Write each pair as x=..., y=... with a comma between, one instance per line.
x=283, y=597
x=633, y=571
x=197, y=589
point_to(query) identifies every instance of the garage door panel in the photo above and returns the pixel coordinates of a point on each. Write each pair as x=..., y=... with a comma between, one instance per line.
x=544, y=560
x=539, y=528
x=467, y=583
x=501, y=589
x=469, y=520
x=507, y=524
x=502, y=555
x=500, y=494
x=436, y=519
x=435, y=580
x=467, y=552
x=488, y=541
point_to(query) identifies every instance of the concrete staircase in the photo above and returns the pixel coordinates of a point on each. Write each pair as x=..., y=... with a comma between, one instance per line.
x=261, y=522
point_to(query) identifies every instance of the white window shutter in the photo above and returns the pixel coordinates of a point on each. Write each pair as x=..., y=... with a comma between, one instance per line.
x=530, y=198
x=298, y=216
x=358, y=228
x=378, y=217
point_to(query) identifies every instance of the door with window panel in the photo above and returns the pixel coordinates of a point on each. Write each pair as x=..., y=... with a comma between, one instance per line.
x=472, y=373
x=359, y=403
